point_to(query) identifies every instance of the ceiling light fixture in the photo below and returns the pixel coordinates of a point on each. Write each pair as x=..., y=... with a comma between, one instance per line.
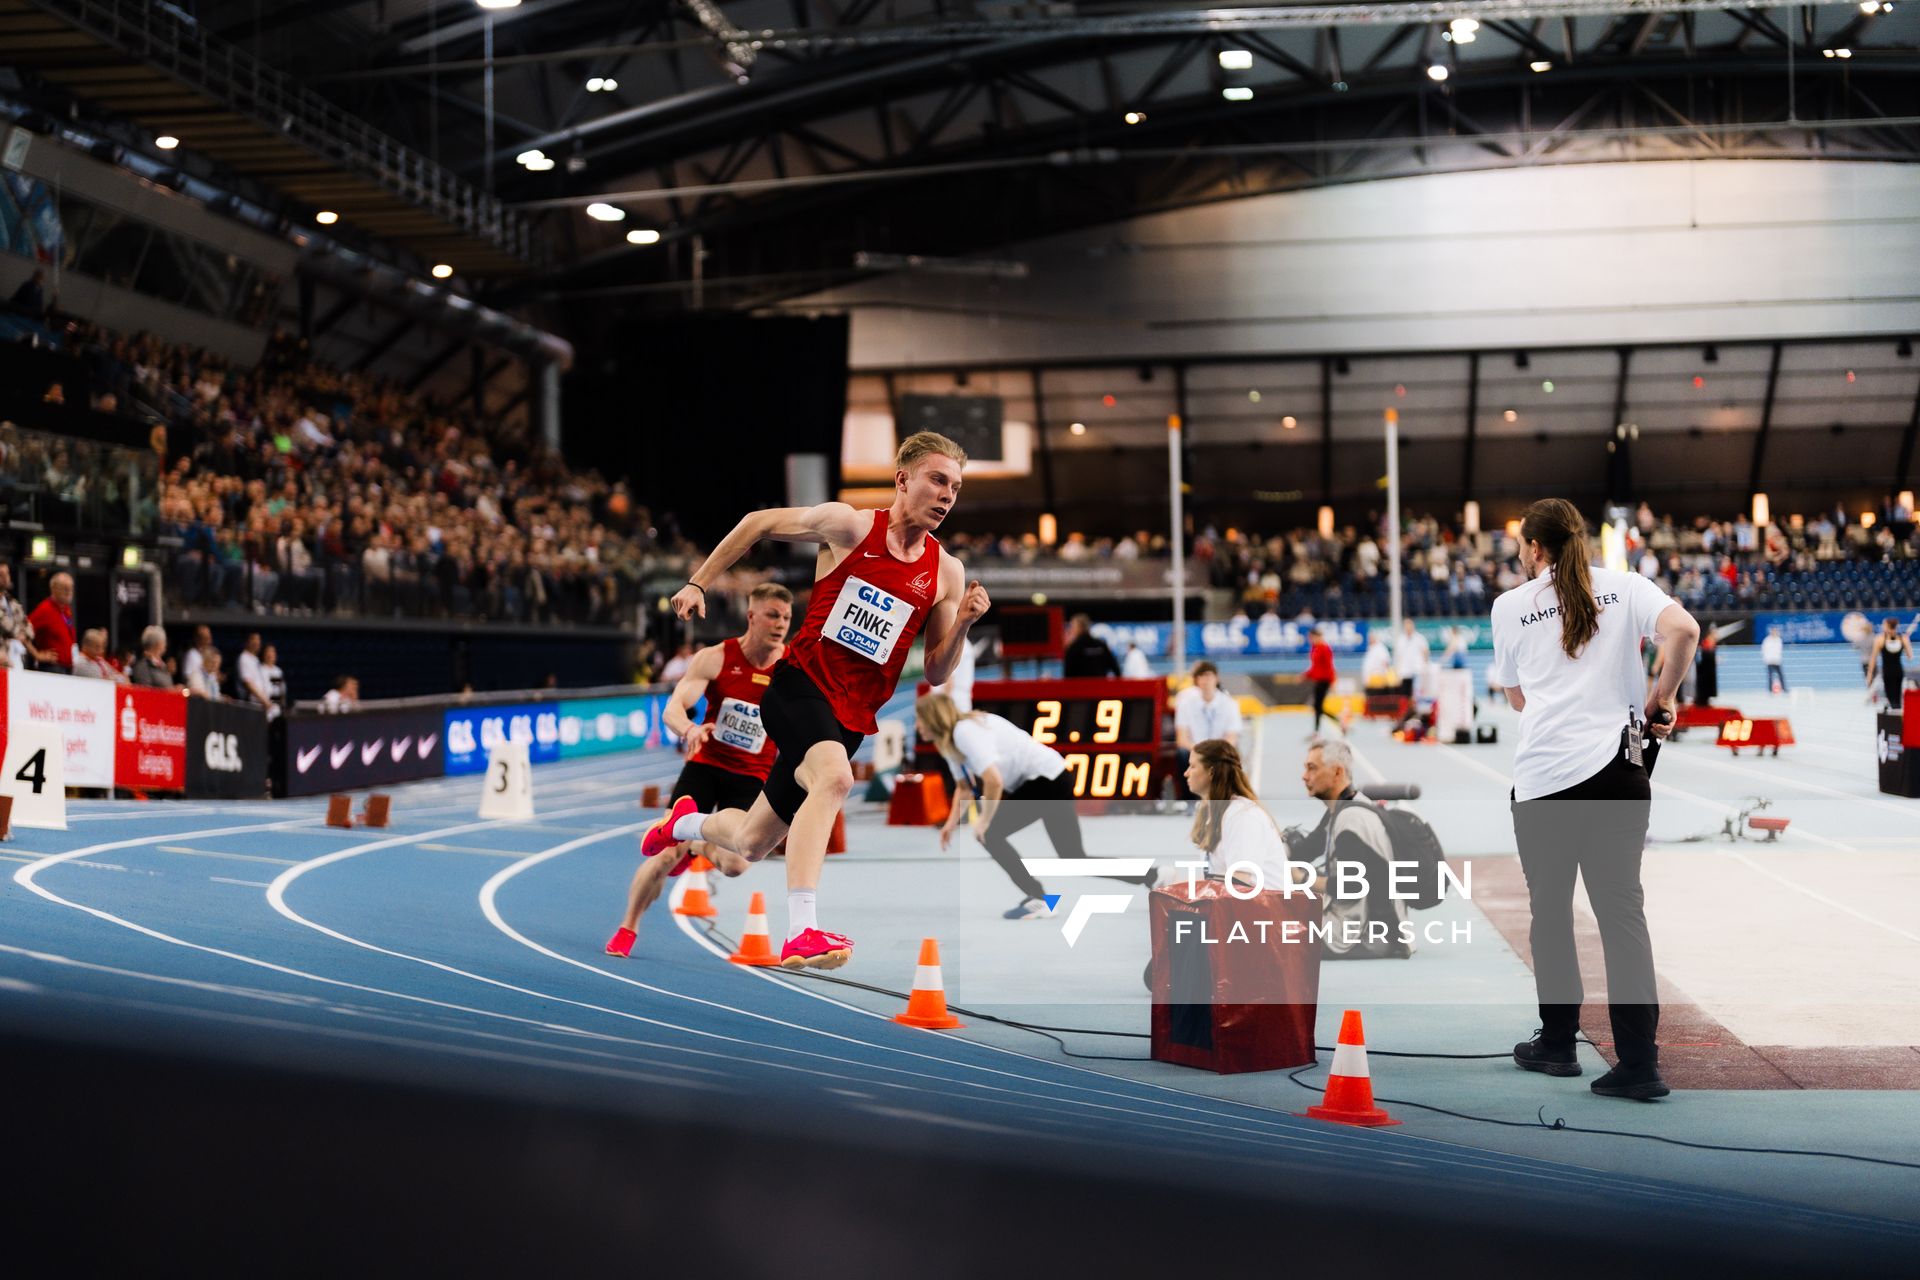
x=1236, y=60
x=1135, y=117
x=1463, y=30
x=643, y=235
x=166, y=142
x=601, y=212
x=1289, y=422
x=1541, y=66
x=326, y=217
x=1236, y=93
x=498, y=4
x=1078, y=428
x=1437, y=72
x=441, y=271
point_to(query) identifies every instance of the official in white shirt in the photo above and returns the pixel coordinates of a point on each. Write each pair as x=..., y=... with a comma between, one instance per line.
x=1020, y=782
x=1773, y=652
x=1135, y=665
x=1566, y=648
x=1202, y=711
x=1410, y=654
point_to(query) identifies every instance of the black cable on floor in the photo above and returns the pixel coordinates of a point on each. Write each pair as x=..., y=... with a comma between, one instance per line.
x=1557, y=1124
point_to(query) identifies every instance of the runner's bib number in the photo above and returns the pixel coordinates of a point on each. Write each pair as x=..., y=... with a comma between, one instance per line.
x=738, y=726
x=867, y=620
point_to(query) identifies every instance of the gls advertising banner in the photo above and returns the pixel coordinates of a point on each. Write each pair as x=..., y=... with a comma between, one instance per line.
x=226, y=750
x=361, y=749
x=472, y=732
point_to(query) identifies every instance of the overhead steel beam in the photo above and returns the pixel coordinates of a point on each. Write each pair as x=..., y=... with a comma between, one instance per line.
x=477, y=24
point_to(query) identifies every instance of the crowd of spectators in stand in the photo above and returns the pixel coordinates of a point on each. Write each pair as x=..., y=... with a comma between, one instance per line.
x=1282, y=571
x=310, y=490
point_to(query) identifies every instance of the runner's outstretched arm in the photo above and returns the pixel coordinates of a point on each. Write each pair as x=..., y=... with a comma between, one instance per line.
x=960, y=605
x=834, y=523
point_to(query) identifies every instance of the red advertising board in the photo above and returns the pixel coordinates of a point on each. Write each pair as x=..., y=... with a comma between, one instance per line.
x=150, y=739
x=115, y=735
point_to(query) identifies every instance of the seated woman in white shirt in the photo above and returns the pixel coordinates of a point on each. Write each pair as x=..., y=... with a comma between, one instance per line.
x=1019, y=782
x=1229, y=824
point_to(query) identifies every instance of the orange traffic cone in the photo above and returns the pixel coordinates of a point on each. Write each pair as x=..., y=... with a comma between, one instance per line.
x=1349, y=1098
x=755, y=947
x=927, y=1002
x=696, y=901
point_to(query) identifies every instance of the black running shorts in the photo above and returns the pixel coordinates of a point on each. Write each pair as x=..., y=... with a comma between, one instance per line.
x=714, y=788
x=797, y=716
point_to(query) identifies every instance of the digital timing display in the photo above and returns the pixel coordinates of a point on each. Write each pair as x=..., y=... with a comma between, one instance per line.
x=1107, y=730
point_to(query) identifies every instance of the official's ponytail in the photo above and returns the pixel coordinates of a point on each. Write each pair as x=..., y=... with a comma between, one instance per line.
x=1561, y=531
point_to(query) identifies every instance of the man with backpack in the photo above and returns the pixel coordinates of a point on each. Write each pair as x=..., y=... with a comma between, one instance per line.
x=1354, y=830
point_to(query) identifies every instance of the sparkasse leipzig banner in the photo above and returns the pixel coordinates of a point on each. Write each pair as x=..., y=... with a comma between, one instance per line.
x=150, y=738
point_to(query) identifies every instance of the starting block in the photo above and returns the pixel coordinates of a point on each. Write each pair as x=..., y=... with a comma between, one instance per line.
x=1757, y=733
x=650, y=798
x=1772, y=826
x=340, y=811
x=1694, y=716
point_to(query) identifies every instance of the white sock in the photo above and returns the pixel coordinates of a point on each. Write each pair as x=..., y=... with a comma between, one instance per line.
x=799, y=912
x=689, y=827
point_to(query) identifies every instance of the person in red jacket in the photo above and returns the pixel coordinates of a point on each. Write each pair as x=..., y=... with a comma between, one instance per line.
x=52, y=623
x=1320, y=672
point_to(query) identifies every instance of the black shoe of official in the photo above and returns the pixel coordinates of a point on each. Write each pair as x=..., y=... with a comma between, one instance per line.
x=1641, y=1083
x=1553, y=1057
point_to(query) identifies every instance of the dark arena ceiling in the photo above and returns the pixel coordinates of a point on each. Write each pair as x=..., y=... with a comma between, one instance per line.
x=769, y=143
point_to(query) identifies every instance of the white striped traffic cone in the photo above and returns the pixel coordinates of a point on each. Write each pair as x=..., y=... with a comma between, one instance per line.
x=755, y=948
x=927, y=1002
x=1349, y=1097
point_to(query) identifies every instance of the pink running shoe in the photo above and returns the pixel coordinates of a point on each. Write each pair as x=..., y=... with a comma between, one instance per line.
x=659, y=836
x=621, y=943
x=812, y=949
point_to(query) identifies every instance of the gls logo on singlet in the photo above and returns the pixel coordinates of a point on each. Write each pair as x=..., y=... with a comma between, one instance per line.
x=867, y=620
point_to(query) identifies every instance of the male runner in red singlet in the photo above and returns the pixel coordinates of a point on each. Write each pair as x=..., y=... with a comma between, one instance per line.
x=728, y=752
x=880, y=579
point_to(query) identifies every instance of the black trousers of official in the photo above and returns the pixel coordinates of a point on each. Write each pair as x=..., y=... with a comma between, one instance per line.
x=1046, y=800
x=1320, y=691
x=1594, y=830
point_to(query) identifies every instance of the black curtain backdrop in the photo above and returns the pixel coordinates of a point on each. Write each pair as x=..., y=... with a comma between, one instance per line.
x=699, y=412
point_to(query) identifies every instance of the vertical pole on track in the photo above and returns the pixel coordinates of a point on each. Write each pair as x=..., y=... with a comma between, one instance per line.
x=1393, y=523
x=1176, y=480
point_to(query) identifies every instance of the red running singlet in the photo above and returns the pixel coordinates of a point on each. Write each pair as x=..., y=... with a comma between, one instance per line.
x=861, y=622
x=738, y=743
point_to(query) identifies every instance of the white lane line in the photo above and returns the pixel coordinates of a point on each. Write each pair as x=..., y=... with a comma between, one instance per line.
x=229, y=857
x=781, y=1058
x=1787, y=780
x=489, y=906
x=1800, y=888
x=316, y=1003
x=251, y=884
x=270, y=966
x=1662, y=788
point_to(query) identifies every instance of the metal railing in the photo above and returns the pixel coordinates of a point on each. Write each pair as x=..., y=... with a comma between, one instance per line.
x=157, y=35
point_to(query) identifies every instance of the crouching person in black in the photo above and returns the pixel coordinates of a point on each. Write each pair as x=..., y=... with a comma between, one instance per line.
x=1372, y=926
